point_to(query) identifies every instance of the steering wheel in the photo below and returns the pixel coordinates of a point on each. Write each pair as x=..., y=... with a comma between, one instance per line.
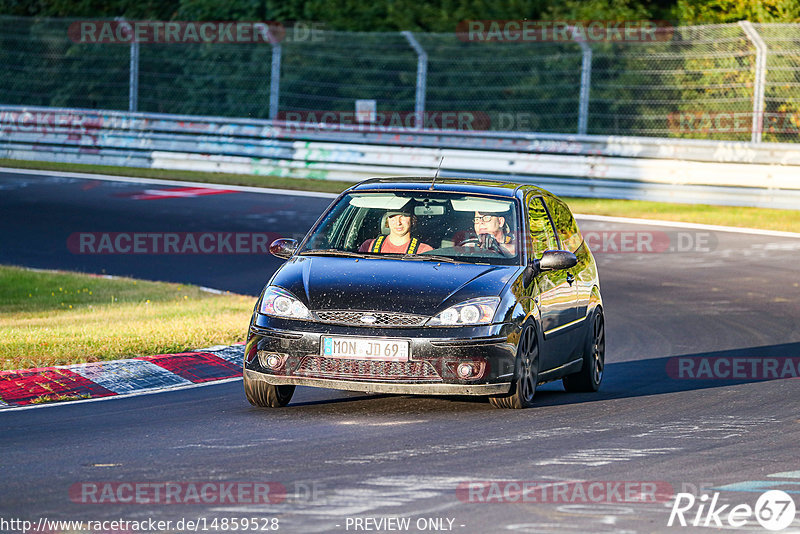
x=486, y=242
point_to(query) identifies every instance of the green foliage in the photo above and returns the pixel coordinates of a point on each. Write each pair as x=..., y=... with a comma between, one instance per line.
x=346, y=15
x=215, y=10
x=722, y=11
x=598, y=10
x=519, y=86
x=95, y=9
x=47, y=69
x=397, y=15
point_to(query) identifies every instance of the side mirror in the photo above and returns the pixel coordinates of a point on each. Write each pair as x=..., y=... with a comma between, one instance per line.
x=557, y=260
x=283, y=248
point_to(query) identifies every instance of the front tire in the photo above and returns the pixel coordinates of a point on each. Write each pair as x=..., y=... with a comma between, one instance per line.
x=588, y=379
x=524, y=387
x=265, y=395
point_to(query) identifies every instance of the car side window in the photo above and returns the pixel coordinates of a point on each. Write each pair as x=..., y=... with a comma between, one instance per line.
x=566, y=226
x=542, y=236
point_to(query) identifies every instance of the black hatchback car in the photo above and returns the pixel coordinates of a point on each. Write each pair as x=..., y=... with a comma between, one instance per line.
x=431, y=286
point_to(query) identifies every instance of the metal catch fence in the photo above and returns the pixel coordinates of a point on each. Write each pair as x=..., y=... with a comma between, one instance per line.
x=738, y=82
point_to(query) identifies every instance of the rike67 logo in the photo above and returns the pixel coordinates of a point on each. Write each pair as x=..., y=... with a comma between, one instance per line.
x=774, y=510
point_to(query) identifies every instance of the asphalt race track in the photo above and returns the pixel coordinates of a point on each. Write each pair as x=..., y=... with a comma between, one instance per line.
x=696, y=336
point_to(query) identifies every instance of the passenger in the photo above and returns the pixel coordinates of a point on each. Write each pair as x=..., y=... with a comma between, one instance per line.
x=399, y=240
x=495, y=225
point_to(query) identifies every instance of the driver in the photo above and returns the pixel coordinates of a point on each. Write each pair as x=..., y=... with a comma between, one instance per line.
x=399, y=240
x=495, y=226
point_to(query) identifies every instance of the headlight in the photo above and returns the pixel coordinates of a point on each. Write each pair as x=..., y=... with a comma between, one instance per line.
x=475, y=311
x=281, y=303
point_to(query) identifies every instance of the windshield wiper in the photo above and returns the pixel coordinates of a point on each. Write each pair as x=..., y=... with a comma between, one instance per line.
x=348, y=254
x=331, y=252
x=429, y=257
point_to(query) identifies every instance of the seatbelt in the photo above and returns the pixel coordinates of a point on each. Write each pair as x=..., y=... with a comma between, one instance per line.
x=376, y=245
x=412, y=245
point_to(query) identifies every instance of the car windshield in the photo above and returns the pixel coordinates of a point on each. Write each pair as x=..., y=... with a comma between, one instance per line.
x=421, y=226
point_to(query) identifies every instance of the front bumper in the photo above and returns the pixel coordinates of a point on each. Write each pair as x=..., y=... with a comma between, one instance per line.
x=383, y=387
x=431, y=369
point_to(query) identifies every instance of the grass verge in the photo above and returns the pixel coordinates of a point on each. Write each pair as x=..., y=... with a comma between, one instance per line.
x=743, y=217
x=275, y=182
x=57, y=318
x=763, y=218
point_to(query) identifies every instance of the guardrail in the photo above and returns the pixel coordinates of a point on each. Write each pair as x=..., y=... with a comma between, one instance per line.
x=679, y=170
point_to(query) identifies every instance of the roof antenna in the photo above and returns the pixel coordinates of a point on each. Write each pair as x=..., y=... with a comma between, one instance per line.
x=441, y=159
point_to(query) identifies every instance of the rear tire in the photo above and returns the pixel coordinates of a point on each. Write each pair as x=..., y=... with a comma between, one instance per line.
x=265, y=395
x=524, y=386
x=588, y=379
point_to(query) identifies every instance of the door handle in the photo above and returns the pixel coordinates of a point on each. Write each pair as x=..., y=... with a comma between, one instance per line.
x=570, y=278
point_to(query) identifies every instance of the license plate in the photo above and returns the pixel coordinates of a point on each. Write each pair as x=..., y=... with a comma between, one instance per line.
x=365, y=348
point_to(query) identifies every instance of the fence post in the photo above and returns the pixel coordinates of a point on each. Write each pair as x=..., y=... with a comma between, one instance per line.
x=275, y=81
x=422, y=78
x=586, y=80
x=275, y=70
x=760, y=78
x=133, y=96
x=133, y=69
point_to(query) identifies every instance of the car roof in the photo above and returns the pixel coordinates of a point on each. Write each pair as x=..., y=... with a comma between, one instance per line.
x=457, y=185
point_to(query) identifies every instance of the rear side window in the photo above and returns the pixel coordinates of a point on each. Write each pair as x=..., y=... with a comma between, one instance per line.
x=542, y=236
x=566, y=226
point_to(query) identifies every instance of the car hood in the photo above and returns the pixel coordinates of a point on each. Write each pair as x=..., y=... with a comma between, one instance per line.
x=410, y=286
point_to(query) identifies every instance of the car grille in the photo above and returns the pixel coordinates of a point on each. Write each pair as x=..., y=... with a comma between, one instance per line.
x=382, y=319
x=321, y=367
